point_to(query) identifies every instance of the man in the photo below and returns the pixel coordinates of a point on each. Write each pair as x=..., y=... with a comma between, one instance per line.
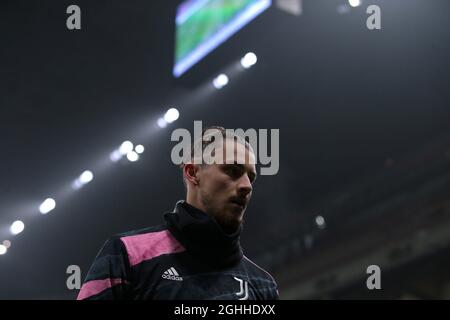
x=196, y=253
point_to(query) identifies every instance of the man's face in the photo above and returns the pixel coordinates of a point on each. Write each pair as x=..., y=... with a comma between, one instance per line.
x=225, y=190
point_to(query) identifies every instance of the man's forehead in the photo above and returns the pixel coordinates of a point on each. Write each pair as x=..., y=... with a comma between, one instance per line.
x=238, y=152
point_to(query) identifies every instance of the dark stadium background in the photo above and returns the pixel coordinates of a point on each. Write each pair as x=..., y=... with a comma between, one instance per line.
x=364, y=119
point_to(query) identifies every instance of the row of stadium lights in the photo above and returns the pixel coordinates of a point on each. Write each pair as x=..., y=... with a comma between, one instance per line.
x=247, y=62
x=354, y=3
x=126, y=149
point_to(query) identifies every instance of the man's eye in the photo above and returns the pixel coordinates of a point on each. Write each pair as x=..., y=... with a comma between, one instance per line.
x=233, y=171
x=236, y=172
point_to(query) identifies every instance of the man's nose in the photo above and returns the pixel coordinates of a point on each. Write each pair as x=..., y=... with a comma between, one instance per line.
x=244, y=185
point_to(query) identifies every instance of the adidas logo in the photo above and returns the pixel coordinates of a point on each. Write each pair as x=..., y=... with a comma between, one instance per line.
x=172, y=274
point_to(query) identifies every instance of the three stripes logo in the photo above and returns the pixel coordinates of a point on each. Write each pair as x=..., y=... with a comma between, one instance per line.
x=172, y=274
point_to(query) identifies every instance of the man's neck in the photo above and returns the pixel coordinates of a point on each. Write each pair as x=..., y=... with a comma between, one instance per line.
x=193, y=201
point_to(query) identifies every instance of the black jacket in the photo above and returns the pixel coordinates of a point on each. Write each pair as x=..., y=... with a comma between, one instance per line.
x=188, y=257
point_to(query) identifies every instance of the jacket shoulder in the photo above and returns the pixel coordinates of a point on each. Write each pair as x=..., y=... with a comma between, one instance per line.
x=151, y=229
x=147, y=244
x=258, y=270
x=267, y=283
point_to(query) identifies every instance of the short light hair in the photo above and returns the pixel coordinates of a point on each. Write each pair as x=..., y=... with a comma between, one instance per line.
x=212, y=131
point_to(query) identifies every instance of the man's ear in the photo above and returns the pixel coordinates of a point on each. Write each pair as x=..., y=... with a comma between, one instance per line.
x=190, y=172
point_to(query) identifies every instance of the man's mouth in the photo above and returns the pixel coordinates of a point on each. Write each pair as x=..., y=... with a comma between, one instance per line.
x=239, y=202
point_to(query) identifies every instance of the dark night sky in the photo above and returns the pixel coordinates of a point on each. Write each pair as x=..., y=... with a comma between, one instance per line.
x=344, y=98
